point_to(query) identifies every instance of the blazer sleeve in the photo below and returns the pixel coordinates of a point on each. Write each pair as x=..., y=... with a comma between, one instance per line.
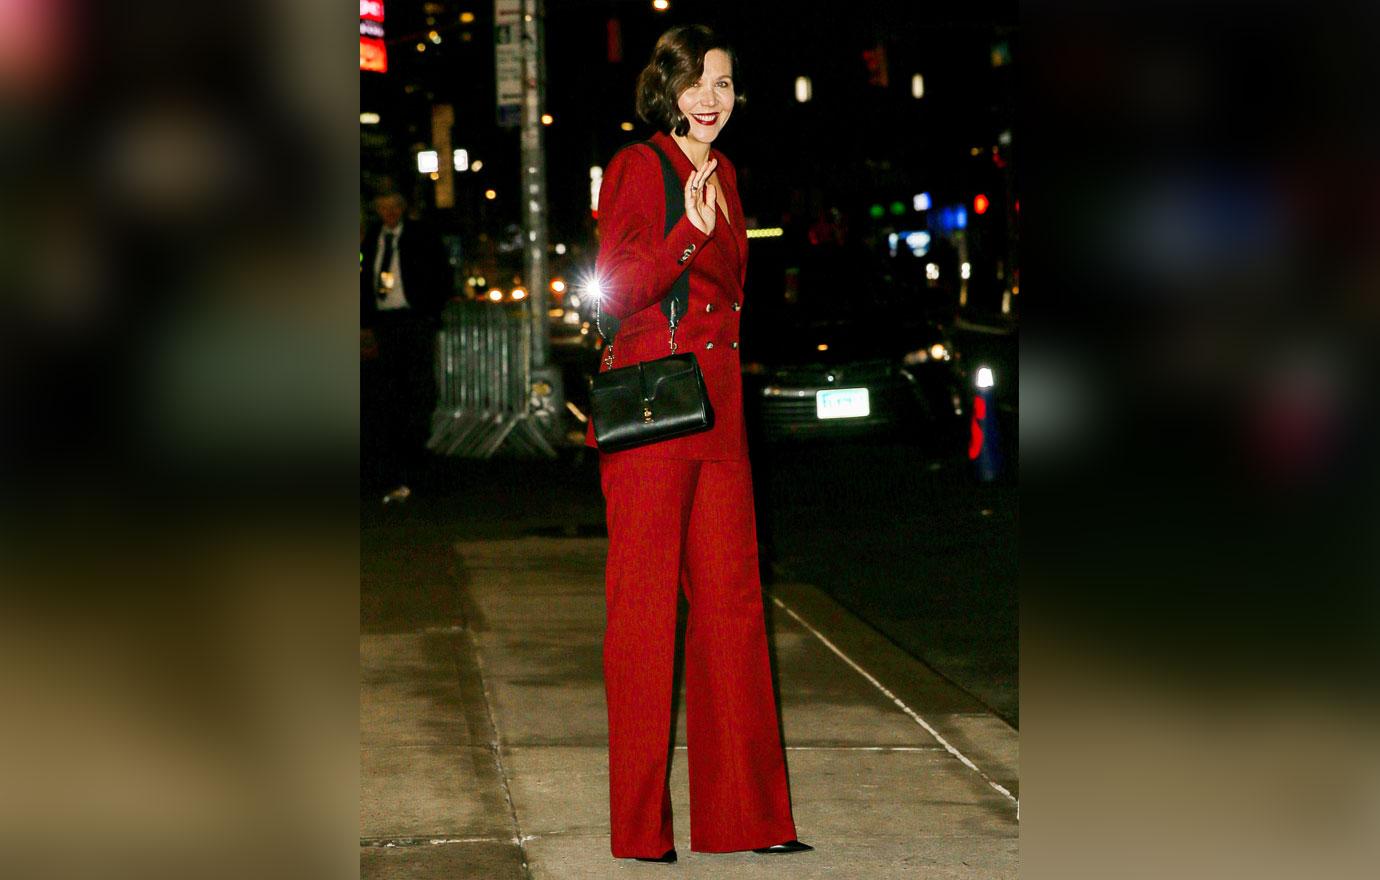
x=637, y=263
x=427, y=274
x=367, y=250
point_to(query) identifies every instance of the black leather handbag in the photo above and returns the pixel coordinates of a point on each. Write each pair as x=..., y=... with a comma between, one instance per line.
x=648, y=402
x=658, y=399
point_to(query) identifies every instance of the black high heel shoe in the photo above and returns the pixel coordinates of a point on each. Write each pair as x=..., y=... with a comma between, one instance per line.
x=790, y=846
x=667, y=858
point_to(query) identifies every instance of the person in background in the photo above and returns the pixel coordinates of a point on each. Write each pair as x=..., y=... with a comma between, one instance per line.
x=404, y=284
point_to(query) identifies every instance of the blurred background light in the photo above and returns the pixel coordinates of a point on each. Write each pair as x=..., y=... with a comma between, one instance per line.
x=368, y=119
x=951, y=219
x=917, y=86
x=462, y=160
x=921, y=202
x=428, y=162
x=804, y=90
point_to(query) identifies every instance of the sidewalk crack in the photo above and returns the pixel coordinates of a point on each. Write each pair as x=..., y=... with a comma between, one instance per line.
x=467, y=655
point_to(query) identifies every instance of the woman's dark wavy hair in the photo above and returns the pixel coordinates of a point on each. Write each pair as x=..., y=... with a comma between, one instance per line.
x=677, y=61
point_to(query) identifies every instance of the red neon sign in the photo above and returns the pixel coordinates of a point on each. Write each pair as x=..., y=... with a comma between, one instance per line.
x=373, y=54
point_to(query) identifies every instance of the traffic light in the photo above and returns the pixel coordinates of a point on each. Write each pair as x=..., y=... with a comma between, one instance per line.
x=980, y=204
x=615, y=41
x=875, y=59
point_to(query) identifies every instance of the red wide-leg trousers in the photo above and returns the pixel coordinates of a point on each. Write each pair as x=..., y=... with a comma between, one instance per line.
x=681, y=524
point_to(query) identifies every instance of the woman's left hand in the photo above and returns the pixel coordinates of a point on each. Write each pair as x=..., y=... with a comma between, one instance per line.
x=700, y=198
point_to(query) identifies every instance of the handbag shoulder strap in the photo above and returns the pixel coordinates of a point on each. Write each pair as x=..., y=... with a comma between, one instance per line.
x=677, y=301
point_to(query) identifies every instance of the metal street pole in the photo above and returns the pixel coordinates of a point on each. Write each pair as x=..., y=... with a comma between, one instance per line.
x=547, y=391
x=534, y=176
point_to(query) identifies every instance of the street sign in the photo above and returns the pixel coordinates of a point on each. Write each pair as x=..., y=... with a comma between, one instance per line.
x=508, y=61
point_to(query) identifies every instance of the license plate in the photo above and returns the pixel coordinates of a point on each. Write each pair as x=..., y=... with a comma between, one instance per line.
x=842, y=403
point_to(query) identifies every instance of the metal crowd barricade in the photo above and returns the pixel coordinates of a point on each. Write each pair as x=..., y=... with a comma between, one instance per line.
x=483, y=368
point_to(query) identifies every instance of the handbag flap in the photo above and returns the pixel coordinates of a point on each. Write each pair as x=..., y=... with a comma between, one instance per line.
x=667, y=372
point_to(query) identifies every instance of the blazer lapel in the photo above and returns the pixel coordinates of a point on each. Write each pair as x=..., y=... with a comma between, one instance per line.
x=684, y=168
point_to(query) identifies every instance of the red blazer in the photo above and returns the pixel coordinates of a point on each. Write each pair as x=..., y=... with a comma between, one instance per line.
x=637, y=265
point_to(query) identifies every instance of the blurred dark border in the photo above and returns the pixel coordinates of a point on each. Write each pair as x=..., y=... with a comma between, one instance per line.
x=1199, y=414
x=178, y=433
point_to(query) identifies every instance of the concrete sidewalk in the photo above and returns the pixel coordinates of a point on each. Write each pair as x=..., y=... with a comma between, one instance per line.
x=483, y=732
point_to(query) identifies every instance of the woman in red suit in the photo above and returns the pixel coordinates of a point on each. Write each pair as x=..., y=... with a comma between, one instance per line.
x=680, y=512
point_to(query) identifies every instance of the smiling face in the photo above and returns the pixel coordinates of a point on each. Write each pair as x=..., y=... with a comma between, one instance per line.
x=709, y=101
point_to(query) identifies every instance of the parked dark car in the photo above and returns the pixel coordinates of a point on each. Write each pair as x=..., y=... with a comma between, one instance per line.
x=836, y=346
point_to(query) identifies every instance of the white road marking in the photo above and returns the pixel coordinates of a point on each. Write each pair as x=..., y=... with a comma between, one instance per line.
x=915, y=716
x=397, y=842
x=848, y=748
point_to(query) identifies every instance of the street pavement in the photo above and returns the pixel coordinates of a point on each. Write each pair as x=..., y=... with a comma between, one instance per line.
x=483, y=731
x=910, y=543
